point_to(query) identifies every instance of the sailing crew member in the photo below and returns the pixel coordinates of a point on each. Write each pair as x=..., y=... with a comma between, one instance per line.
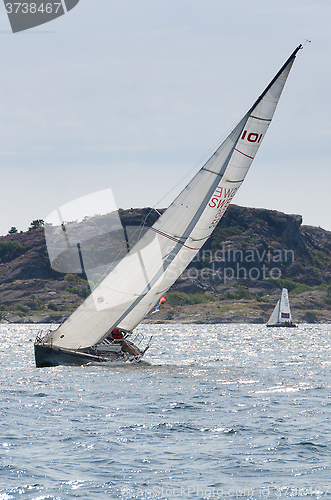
x=116, y=335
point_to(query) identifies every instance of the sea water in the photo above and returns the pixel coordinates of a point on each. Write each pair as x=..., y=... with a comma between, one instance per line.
x=213, y=411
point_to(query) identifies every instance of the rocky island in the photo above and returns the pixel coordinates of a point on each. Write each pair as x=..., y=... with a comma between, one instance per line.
x=236, y=277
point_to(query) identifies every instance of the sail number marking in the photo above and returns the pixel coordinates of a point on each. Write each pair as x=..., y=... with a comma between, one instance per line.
x=252, y=136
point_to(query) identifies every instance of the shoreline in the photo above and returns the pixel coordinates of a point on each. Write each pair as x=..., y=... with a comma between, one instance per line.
x=307, y=307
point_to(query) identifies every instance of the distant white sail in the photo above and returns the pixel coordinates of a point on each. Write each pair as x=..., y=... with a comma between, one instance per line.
x=136, y=284
x=281, y=315
x=273, y=320
x=284, y=308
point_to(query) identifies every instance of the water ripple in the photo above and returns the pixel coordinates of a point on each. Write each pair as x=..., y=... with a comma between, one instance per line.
x=234, y=406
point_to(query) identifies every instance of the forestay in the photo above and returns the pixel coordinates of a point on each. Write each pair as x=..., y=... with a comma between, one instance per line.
x=135, y=285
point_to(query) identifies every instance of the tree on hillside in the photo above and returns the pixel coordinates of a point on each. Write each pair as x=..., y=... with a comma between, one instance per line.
x=12, y=230
x=36, y=224
x=10, y=250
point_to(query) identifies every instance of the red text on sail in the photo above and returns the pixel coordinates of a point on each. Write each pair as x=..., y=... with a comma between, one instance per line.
x=221, y=200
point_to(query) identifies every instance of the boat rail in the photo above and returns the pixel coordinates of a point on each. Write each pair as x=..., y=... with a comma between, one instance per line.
x=42, y=336
x=137, y=340
x=148, y=344
x=39, y=338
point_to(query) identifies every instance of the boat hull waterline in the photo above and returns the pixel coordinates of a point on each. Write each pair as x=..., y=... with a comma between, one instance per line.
x=293, y=325
x=51, y=356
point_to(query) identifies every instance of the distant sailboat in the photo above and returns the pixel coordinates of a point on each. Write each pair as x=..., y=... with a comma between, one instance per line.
x=281, y=315
x=133, y=286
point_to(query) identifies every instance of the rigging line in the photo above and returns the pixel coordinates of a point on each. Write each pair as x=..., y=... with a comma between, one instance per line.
x=129, y=239
x=259, y=99
x=161, y=233
x=215, y=146
x=203, y=204
x=127, y=244
x=186, y=232
x=143, y=223
x=195, y=218
x=292, y=56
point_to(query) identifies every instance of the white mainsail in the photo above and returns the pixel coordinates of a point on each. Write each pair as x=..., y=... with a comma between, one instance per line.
x=284, y=308
x=135, y=285
x=282, y=312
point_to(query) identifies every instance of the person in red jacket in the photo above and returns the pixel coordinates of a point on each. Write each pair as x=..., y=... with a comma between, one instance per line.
x=116, y=335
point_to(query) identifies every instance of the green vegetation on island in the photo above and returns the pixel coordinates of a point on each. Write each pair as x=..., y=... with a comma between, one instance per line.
x=236, y=277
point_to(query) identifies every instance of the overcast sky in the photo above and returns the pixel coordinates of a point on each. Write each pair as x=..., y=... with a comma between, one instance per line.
x=130, y=94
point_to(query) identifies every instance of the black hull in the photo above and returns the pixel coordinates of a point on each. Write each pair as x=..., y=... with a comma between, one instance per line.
x=282, y=326
x=47, y=356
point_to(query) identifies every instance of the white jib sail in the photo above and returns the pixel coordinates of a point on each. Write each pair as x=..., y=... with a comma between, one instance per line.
x=274, y=318
x=136, y=284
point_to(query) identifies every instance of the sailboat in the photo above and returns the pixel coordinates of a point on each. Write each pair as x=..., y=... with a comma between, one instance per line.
x=135, y=284
x=281, y=315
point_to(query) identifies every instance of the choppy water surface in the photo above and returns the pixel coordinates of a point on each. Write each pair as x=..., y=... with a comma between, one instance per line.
x=213, y=411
